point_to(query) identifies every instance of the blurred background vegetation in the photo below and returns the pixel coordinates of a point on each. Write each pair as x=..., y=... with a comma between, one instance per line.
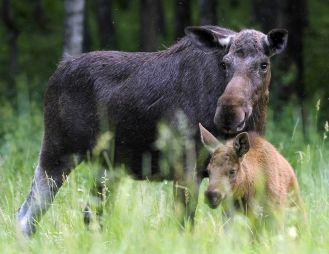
x=36, y=33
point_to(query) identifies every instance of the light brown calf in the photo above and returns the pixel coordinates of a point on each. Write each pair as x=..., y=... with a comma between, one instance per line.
x=251, y=172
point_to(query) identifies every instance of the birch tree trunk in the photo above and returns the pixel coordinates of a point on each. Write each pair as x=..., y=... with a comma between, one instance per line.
x=73, y=27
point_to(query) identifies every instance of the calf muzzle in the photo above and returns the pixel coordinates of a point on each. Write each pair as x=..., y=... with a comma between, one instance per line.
x=213, y=198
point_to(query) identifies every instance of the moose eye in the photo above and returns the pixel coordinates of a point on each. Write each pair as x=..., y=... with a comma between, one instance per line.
x=231, y=173
x=264, y=66
x=223, y=66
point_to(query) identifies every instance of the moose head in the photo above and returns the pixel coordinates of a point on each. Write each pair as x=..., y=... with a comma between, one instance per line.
x=246, y=64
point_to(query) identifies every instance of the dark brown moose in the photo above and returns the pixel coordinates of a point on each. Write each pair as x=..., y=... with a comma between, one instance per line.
x=212, y=75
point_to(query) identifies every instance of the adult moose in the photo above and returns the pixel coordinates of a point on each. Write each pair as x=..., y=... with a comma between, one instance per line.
x=213, y=75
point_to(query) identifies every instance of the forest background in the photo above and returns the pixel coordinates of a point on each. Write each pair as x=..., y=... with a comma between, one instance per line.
x=35, y=34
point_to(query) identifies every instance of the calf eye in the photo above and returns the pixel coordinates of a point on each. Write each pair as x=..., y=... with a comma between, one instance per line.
x=231, y=173
x=263, y=66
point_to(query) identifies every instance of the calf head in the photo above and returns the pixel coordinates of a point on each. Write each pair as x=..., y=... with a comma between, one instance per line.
x=246, y=68
x=224, y=166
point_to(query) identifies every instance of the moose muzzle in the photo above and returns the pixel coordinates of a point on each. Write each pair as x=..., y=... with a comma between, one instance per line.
x=233, y=108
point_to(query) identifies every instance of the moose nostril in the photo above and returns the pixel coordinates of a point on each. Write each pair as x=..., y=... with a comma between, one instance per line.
x=215, y=199
x=225, y=130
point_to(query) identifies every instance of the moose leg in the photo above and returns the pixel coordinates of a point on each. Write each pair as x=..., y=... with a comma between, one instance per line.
x=48, y=178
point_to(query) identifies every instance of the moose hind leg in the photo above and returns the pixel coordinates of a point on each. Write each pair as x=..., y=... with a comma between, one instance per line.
x=46, y=182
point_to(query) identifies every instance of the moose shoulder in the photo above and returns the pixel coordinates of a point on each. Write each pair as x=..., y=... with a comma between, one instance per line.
x=213, y=75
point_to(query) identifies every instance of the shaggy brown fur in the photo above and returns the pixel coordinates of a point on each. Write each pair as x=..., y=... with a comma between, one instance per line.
x=249, y=169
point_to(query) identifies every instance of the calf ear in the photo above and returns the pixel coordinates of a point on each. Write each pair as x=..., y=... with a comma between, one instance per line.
x=209, y=140
x=276, y=41
x=241, y=144
x=208, y=38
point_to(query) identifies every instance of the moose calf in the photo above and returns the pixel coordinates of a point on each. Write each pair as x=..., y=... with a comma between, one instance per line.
x=251, y=171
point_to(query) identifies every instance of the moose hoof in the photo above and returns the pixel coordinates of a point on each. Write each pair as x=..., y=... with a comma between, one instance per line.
x=25, y=227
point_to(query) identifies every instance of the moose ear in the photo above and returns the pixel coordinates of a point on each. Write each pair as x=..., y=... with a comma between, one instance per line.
x=276, y=41
x=241, y=144
x=209, y=140
x=208, y=38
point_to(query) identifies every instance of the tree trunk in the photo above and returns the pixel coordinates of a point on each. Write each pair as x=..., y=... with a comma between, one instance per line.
x=296, y=25
x=105, y=22
x=149, y=21
x=208, y=12
x=267, y=13
x=13, y=32
x=73, y=27
x=183, y=17
x=40, y=15
x=161, y=19
x=87, y=40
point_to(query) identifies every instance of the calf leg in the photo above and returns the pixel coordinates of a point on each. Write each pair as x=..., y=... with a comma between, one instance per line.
x=99, y=193
x=187, y=182
x=185, y=200
x=46, y=182
x=103, y=188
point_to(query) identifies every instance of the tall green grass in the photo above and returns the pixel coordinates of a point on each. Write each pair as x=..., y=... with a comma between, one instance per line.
x=140, y=219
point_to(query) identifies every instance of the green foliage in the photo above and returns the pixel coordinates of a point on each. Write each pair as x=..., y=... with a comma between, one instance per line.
x=316, y=54
x=235, y=15
x=39, y=40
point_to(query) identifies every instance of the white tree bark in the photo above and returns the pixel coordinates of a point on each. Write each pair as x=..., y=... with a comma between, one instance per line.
x=73, y=27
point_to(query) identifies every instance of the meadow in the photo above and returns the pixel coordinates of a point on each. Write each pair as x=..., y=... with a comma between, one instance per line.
x=140, y=219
